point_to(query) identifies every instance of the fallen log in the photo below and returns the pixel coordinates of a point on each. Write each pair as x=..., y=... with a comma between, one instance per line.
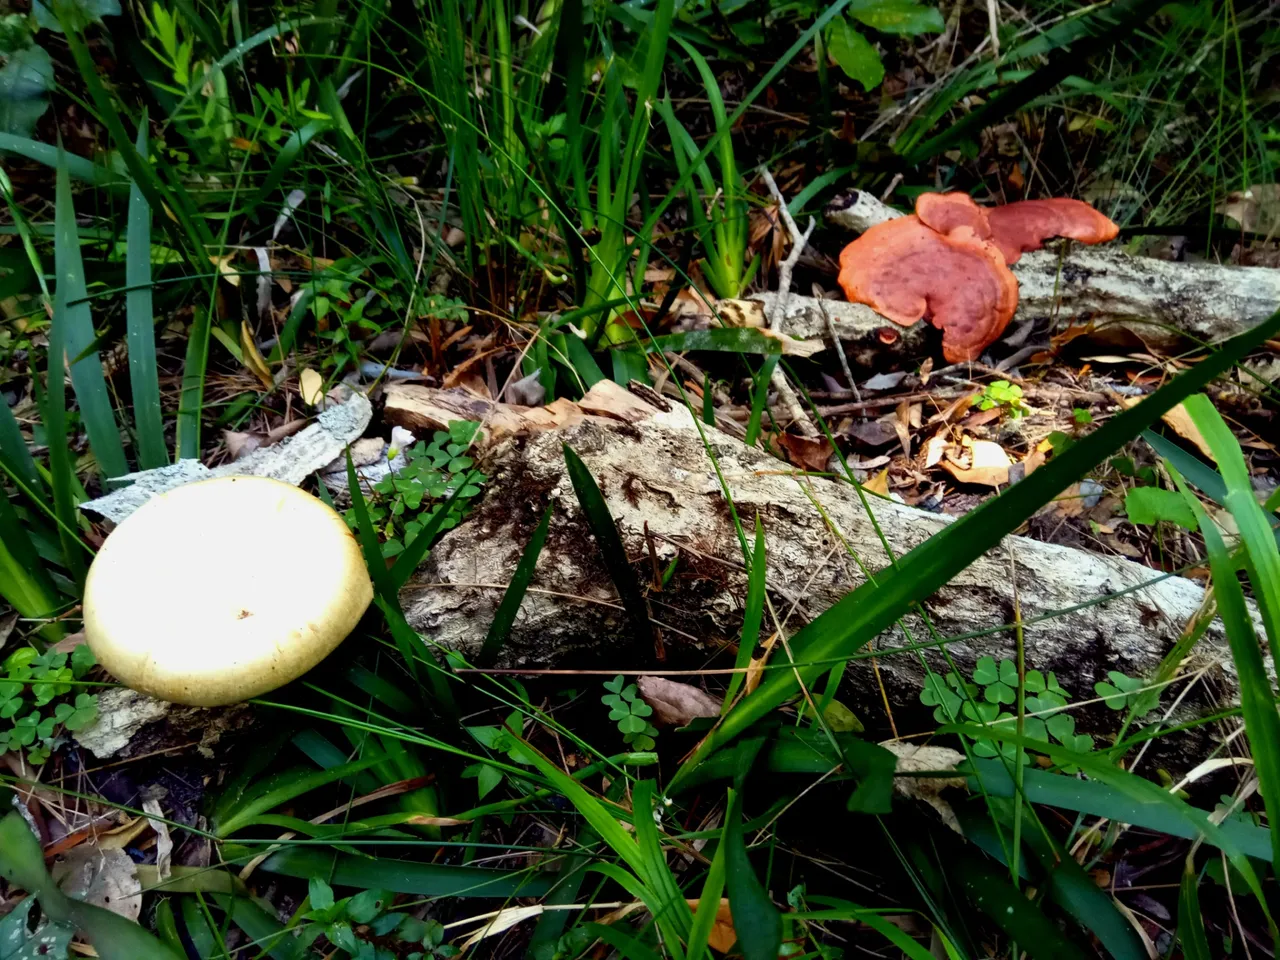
x=1085, y=614
x=1126, y=299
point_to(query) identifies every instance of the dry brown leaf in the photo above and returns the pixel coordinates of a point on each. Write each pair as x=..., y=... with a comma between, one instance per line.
x=791, y=347
x=252, y=358
x=917, y=759
x=879, y=483
x=1070, y=502
x=956, y=407
x=311, y=385
x=1033, y=461
x=807, y=453
x=755, y=669
x=926, y=371
x=164, y=843
x=1180, y=421
x=226, y=269
x=676, y=704
x=239, y=443
x=934, y=447
x=1256, y=209
x=723, y=936
x=105, y=878
x=988, y=465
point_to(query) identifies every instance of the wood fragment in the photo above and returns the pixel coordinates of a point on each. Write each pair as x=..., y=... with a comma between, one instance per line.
x=655, y=471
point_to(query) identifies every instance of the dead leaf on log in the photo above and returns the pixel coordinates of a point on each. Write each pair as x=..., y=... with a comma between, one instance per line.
x=1180, y=421
x=807, y=453
x=988, y=465
x=879, y=484
x=676, y=704
x=311, y=385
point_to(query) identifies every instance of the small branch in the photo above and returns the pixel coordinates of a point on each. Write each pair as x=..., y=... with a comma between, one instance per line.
x=778, y=315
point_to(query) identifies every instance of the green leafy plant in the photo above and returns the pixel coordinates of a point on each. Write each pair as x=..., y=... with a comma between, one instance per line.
x=1120, y=691
x=994, y=686
x=353, y=923
x=405, y=502
x=44, y=678
x=630, y=713
x=1004, y=394
x=856, y=55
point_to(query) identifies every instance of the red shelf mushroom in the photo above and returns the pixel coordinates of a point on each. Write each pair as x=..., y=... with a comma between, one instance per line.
x=945, y=212
x=1018, y=228
x=904, y=270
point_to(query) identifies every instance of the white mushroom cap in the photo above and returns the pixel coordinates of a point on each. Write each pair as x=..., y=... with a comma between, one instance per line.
x=221, y=590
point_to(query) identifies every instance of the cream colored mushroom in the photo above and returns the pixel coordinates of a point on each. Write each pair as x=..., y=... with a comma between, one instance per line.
x=222, y=590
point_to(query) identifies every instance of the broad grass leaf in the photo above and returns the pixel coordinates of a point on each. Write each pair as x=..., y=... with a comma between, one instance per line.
x=854, y=53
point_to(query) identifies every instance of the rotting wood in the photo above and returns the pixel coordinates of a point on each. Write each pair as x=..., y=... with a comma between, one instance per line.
x=1127, y=299
x=654, y=470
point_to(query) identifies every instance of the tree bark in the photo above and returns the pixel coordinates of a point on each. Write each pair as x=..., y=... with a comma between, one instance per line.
x=1084, y=614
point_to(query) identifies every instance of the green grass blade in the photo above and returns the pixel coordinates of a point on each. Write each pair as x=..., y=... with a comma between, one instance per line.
x=140, y=324
x=671, y=911
x=1149, y=800
x=191, y=229
x=759, y=396
x=722, y=340
x=628, y=947
x=1122, y=19
x=191, y=400
x=836, y=909
x=988, y=888
x=62, y=477
x=1257, y=698
x=368, y=536
x=584, y=364
x=14, y=452
x=78, y=167
x=1121, y=805
x=514, y=594
x=1261, y=554
x=755, y=918
x=592, y=810
x=1069, y=885
x=267, y=933
x=751, y=617
x=285, y=160
x=404, y=876
x=286, y=788
x=1191, y=935
x=24, y=582
x=71, y=311
x=875, y=606
x=613, y=552
x=708, y=904
x=1198, y=473
x=410, y=645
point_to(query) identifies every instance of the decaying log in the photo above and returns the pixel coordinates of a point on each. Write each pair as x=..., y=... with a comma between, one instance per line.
x=1137, y=300
x=661, y=489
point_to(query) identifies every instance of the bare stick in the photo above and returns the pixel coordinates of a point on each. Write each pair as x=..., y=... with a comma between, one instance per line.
x=778, y=315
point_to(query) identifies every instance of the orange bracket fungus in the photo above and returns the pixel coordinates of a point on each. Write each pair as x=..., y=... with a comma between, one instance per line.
x=950, y=262
x=904, y=270
x=1018, y=228
x=945, y=212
